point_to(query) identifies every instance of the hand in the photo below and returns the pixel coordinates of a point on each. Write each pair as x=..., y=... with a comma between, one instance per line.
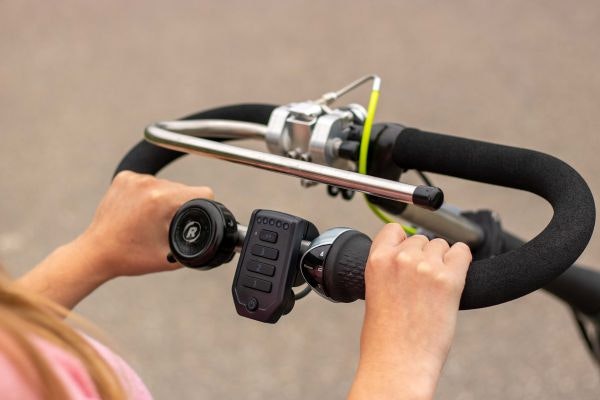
x=128, y=236
x=413, y=289
x=130, y=229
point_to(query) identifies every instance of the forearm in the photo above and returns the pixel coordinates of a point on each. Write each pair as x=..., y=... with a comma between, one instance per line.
x=68, y=275
x=385, y=381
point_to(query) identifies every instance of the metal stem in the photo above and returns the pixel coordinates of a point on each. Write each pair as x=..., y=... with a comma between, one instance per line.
x=446, y=224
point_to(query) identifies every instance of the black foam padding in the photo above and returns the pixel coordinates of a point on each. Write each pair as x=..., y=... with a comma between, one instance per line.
x=578, y=286
x=344, y=269
x=517, y=272
x=146, y=158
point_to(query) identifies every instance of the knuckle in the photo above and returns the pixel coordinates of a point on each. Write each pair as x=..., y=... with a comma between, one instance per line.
x=208, y=192
x=420, y=238
x=425, y=267
x=155, y=196
x=442, y=281
x=440, y=241
x=446, y=282
x=123, y=176
x=378, y=258
x=404, y=258
x=145, y=180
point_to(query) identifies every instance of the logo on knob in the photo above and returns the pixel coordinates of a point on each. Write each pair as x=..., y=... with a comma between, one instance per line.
x=191, y=231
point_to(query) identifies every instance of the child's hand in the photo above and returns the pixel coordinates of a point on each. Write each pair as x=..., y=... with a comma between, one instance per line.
x=128, y=236
x=129, y=232
x=413, y=289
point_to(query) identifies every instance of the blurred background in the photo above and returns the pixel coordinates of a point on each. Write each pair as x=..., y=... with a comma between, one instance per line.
x=80, y=80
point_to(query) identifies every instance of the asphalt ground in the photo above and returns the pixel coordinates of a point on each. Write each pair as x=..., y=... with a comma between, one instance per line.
x=80, y=80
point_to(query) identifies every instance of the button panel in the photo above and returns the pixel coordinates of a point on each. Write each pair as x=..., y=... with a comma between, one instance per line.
x=268, y=264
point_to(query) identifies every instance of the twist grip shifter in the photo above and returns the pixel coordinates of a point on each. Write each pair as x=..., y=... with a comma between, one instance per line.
x=334, y=265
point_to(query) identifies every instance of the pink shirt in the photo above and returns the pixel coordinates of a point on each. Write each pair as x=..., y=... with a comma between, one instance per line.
x=73, y=375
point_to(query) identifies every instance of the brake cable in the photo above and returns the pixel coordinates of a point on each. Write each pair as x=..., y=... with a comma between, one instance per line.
x=364, y=152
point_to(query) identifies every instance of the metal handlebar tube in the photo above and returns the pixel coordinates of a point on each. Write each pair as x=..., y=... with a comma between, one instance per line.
x=577, y=286
x=146, y=158
x=446, y=224
x=424, y=196
x=216, y=128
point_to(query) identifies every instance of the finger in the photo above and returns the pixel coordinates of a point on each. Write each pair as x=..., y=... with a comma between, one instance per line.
x=415, y=241
x=459, y=256
x=391, y=235
x=436, y=248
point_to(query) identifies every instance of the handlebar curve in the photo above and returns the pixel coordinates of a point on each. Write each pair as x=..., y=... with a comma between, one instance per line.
x=146, y=158
x=517, y=272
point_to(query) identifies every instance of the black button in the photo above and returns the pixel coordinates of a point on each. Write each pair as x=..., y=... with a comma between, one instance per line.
x=268, y=236
x=258, y=284
x=260, y=268
x=252, y=304
x=265, y=252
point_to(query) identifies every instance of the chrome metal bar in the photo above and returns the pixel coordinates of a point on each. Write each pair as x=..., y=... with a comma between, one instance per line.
x=320, y=173
x=445, y=223
x=216, y=128
x=242, y=232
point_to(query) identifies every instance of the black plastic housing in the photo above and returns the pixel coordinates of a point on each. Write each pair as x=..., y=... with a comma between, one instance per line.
x=268, y=265
x=214, y=244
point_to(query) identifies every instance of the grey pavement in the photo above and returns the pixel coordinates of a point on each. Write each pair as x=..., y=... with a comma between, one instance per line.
x=80, y=80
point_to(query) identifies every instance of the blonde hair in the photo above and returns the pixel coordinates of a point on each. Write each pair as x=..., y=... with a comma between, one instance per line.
x=24, y=315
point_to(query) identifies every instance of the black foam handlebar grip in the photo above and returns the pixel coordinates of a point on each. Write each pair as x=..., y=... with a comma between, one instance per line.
x=344, y=269
x=146, y=158
x=507, y=276
x=517, y=272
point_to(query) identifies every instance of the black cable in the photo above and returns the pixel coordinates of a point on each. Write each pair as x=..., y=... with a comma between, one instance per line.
x=303, y=293
x=424, y=177
x=589, y=337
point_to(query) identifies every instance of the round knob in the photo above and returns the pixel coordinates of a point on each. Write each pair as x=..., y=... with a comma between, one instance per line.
x=203, y=234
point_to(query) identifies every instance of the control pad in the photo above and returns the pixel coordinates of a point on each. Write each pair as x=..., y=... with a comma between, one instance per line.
x=268, y=264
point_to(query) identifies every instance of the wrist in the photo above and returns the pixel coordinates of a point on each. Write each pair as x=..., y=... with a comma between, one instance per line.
x=392, y=381
x=69, y=274
x=89, y=263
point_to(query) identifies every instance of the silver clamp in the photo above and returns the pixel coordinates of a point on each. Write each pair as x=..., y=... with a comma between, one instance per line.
x=312, y=131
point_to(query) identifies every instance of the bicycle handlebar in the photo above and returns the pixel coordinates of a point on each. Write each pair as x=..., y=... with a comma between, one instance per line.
x=489, y=282
x=146, y=158
x=539, y=261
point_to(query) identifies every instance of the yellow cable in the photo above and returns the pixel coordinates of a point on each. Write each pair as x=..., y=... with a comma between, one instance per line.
x=363, y=156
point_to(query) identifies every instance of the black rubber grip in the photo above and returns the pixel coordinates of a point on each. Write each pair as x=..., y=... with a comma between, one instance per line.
x=344, y=268
x=517, y=272
x=146, y=158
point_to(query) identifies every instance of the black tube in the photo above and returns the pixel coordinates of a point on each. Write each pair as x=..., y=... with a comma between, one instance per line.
x=578, y=286
x=146, y=158
x=536, y=263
